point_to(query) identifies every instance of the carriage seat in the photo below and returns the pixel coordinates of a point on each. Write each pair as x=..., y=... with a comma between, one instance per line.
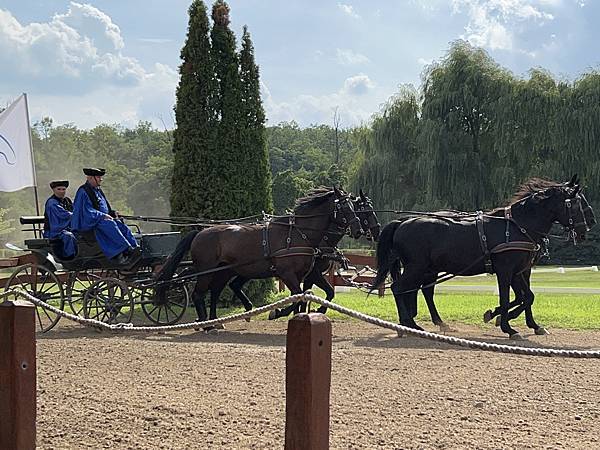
x=39, y=243
x=31, y=220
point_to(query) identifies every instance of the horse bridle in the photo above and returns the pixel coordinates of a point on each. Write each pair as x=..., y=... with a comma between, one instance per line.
x=341, y=202
x=365, y=206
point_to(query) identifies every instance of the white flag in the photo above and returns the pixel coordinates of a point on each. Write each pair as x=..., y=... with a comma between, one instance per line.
x=16, y=164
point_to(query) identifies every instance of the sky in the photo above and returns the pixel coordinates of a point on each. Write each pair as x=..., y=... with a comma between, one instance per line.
x=116, y=61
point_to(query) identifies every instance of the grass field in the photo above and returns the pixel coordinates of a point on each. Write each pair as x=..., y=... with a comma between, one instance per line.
x=573, y=311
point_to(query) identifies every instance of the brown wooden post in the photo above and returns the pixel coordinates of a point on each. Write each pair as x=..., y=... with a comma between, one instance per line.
x=307, y=382
x=17, y=375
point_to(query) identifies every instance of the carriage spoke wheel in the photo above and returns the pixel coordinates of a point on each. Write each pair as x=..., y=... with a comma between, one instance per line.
x=41, y=283
x=166, y=312
x=108, y=300
x=79, y=284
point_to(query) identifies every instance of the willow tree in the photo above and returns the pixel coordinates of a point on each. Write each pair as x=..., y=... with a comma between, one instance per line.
x=461, y=97
x=196, y=122
x=388, y=154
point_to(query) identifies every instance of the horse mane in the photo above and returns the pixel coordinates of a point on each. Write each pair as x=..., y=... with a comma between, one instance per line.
x=313, y=198
x=532, y=186
x=526, y=189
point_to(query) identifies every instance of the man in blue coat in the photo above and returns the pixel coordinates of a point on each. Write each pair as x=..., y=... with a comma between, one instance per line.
x=57, y=220
x=91, y=211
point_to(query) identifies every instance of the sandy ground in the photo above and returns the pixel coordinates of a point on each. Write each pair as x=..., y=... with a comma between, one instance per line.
x=210, y=391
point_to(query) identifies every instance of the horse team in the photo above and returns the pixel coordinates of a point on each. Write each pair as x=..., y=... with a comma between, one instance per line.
x=416, y=251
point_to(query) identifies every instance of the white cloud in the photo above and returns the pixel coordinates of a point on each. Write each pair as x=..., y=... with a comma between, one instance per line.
x=357, y=85
x=349, y=10
x=348, y=57
x=74, y=69
x=492, y=22
x=356, y=100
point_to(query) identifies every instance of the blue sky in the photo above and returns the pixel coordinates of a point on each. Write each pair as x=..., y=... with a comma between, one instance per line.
x=116, y=61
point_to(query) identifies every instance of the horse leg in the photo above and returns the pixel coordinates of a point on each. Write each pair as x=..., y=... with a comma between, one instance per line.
x=199, y=304
x=324, y=284
x=294, y=307
x=236, y=286
x=410, y=279
x=293, y=284
x=504, y=280
x=528, y=298
x=428, y=291
x=215, y=292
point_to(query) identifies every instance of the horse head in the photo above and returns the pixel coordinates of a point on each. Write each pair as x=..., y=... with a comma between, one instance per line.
x=366, y=214
x=567, y=205
x=343, y=213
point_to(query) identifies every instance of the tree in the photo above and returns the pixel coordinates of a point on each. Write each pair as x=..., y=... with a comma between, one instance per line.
x=194, y=186
x=254, y=154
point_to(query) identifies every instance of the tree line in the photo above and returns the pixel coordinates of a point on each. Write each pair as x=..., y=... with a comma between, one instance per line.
x=463, y=140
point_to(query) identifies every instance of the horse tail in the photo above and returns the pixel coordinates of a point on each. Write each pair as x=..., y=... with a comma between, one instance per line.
x=172, y=262
x=386, y=257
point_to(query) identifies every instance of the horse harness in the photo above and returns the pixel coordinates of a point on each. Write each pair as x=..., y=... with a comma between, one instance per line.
x=507, y=245
x=529, y=246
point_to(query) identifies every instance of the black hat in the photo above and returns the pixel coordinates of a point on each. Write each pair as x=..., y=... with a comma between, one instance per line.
x=93, y=172
x=58, y=183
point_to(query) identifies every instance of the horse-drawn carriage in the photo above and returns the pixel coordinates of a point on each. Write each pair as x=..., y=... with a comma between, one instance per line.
x=90, y=284
x=285, y=246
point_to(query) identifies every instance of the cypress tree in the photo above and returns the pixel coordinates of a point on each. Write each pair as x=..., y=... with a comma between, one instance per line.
x=254, y=153
x=254, y=174
x=230, y=195
x=196, y=121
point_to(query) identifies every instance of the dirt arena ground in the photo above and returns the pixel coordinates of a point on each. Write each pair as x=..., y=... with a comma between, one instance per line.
x=189, y=390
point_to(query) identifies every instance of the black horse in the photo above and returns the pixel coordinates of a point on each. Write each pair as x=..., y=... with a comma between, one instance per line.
x=503, y=241
x=330, y=255
x=517, y=306
x=283, y=247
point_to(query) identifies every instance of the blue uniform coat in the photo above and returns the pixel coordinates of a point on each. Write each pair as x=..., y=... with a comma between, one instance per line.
x=59, y=226
x=113, y=236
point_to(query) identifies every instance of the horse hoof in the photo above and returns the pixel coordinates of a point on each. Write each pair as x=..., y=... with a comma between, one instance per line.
x=541, y=331
x=247, y=319
x=401, y=334
x=274, y=314
x=516, y=337
x=211, y=330
x=498, y=320
x=487, y=316
x=219, y=326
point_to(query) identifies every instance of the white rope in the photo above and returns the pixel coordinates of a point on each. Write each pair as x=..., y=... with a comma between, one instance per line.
x=308, y=297
x=130, y=327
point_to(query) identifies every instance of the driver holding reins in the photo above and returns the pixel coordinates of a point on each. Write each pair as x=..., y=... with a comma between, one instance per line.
x=91, y=211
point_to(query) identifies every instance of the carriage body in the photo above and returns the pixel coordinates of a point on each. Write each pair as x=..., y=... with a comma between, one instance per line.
x=91, y=285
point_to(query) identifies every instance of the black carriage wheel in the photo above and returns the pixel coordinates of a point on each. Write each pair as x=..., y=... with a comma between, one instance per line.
x=108, y=300
x=79, y=283
x=169, y=311
x=40, y=283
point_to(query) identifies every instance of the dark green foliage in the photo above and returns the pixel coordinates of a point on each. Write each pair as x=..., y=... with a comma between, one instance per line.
x=196, y=120
x=475, y=133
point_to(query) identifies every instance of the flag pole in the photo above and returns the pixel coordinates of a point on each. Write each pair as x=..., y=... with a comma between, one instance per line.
x=35, y=189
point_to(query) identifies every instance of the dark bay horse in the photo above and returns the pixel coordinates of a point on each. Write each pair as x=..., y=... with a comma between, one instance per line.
x=503, y=241
x=283, y=247
x=363, y=206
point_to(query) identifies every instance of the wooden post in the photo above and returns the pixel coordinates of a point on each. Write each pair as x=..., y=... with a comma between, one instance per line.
x=307, y=382
x=17, y=375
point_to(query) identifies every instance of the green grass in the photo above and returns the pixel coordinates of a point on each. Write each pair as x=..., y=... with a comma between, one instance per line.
x=571, y=311
x=583, y=279
x=574, y=311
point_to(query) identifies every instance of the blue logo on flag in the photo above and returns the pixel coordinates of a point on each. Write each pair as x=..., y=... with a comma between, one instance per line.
x=7, y=151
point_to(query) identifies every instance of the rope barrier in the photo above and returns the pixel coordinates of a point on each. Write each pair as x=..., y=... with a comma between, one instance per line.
x=477, y=345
